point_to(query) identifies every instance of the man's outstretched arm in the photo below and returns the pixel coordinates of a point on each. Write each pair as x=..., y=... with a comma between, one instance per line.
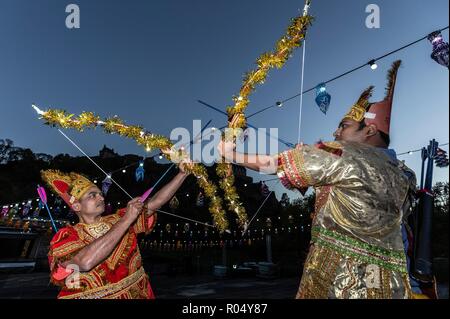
x=262, y=163
x=167, y=192
x=97, y=251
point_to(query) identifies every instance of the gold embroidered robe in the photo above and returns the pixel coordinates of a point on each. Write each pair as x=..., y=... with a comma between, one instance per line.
x=356, y=243
x=120, y=276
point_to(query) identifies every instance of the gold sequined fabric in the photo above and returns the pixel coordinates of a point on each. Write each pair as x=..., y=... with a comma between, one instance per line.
x=357, y=249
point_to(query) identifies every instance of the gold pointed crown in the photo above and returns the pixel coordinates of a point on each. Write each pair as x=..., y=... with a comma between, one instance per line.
x=359, y=109
x=378, y=113
x=69, y=186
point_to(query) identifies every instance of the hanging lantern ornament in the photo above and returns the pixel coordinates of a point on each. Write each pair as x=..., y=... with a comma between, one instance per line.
x=264, y=189
x=4, y=212
x=106, y=184
x=140, y=171
x=323, y=99
x=26, y=209
x=291, y=219
x=174, y=203
x=440, y=48
x=12, y=212
x=268, y=222
x=168, y=228
x=200, y=200
x=57, y=201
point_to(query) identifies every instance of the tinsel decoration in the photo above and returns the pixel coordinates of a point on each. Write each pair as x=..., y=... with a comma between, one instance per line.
x=149, y=141
x=237, y=121
x=231, y=196
x=276, y=59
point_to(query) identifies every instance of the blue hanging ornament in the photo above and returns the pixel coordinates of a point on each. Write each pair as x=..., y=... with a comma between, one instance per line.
x=26, y=209
x=106, y=184
x=140, y=171
x=323, y=99
x=200, y=200
x=440, y=48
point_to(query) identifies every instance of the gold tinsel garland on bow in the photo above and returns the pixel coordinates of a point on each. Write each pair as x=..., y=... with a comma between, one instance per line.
x=284, y=47
x=150, y=141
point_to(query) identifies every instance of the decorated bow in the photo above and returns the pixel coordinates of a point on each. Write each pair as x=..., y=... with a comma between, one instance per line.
x=237, y=120
x=150, y=141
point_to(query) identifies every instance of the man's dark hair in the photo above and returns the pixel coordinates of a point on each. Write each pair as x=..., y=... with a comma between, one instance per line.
x=385, y=137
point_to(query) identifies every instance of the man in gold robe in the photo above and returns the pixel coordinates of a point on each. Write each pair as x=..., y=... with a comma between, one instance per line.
x=362, y=198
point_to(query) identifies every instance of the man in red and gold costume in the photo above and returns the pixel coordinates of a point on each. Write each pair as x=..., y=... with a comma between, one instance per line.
x=99, y=256
x=362, y=198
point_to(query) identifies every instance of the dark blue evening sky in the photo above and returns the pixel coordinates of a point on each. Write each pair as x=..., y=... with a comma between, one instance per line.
x=149, y=61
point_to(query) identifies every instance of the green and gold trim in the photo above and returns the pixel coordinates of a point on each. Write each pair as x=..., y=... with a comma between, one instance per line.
x=348, y=246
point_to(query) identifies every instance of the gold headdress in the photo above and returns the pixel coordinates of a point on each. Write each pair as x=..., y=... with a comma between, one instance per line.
x=378, y=113
x=69, y=187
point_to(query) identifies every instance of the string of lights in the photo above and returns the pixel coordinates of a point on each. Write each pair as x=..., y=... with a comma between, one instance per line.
x=371, y=63
x=124, y=168
x=418, y=150
x=159, y=155
x=245, y=185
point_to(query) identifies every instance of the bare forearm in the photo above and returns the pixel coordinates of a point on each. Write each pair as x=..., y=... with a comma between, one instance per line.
x=166, y=193
x=97, y=251
x=261, y=163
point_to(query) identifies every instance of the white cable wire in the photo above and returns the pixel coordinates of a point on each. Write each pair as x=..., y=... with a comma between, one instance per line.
x=257, y=211
x=74, y=144
x=106, y=174
x=192, y=220
x=301, y=95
